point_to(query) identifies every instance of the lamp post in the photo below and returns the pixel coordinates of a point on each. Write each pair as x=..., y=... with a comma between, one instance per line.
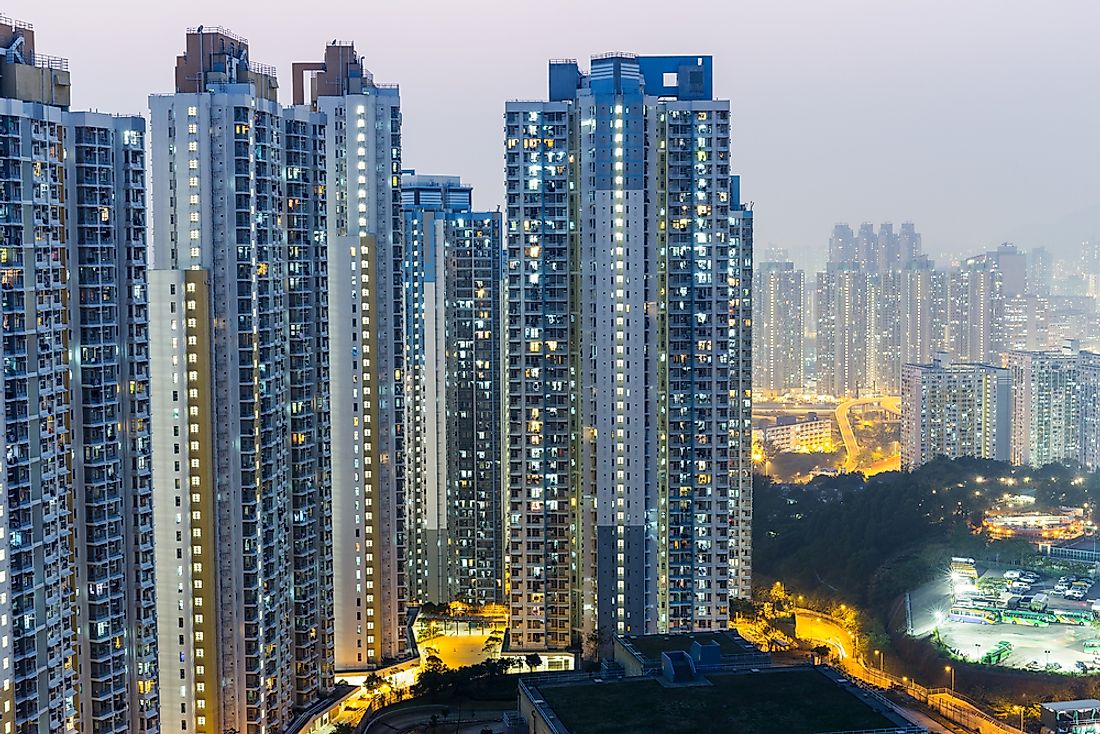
x=1021, y=717
x=879, y=653
x=951, y=670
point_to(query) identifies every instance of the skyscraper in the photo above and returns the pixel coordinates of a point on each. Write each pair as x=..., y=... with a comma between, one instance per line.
x=1013, y=266
x=954, y=410
x=868, y=257
x=975, y=319
x=361, y=182
x=864, y=315
x=1025, y=323
x=628, y=393
x=1040, y=272
x=454, y=278
x=842, y=330
x=882, y=371
x=240, y=461
x=1088, y=410
x=778, y=315
x=842, y=245
x=1044, y=407
x=923, y=312
x=910, y=250
x=78, y=633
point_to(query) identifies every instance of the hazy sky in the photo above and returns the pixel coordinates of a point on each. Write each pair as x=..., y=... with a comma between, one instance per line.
x=977, y=119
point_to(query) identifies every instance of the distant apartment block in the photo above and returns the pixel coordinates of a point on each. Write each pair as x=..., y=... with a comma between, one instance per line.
x=790, y=434
x=1045, y=420
x=778, y=313
x=1088, y=410
x=975, y=317
x=842, y=333
x=875, y=252
x=953, y=410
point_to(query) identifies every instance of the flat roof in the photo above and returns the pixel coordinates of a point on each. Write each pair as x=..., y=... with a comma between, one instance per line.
x=651, y=646
x=774, y=701
x=1086, y=542
x=1083, y=703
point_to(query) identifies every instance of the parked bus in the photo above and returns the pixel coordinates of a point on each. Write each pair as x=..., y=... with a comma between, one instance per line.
x=1070, y=616
x=997, y=655
x=964, y=568
x=972, y=614
x=1026, y=616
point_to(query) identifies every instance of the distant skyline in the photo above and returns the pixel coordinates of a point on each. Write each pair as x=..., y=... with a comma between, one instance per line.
x=975, y=120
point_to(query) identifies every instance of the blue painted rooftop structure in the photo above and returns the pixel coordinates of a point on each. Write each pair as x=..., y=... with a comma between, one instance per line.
x=685, y=78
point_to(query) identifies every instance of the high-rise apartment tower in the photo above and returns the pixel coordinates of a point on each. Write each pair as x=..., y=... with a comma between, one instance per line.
x=628, y=352
x=241, y=452
x=78, y=628
x=454, y=280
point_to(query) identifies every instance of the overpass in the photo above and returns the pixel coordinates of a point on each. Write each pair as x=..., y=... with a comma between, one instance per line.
x=851, y=446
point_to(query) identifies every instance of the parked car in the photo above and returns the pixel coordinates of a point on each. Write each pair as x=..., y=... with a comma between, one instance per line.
x=1019, y=586
x=1012, y=575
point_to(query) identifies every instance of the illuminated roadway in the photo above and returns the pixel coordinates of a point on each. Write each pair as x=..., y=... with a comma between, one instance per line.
x=821, y=628
x=851, y=446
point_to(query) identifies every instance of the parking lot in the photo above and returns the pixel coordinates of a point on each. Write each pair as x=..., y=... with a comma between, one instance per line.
x=1059, y=647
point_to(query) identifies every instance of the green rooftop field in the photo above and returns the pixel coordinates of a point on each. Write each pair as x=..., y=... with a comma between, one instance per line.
x=796, y=702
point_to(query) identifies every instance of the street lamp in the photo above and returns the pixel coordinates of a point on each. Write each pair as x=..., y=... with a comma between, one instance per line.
x=1021, y=707
x=879, y=653
x=949, y=669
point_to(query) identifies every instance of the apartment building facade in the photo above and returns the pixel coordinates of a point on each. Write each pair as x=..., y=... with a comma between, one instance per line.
x=628, y=389
x=77, y=639
x=454, y=261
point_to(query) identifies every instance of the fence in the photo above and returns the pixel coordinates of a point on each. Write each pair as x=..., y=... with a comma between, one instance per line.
x=954, y=706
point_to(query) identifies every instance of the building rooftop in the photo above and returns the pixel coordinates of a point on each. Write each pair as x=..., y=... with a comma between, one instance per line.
x=1083, y=703
x=27, y=75
x=679, y=77
x=1086, y=542
x=776, y=701
x=651, y=646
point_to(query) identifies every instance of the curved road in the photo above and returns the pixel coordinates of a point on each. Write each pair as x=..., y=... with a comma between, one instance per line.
x=851, y=446
x=816, y=627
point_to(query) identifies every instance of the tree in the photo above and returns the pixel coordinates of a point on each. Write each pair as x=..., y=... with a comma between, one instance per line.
x=742, y=607
x=533, y=660
x=594, y=641
x=491, y=643
x=343, y=728
x=495, y=667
